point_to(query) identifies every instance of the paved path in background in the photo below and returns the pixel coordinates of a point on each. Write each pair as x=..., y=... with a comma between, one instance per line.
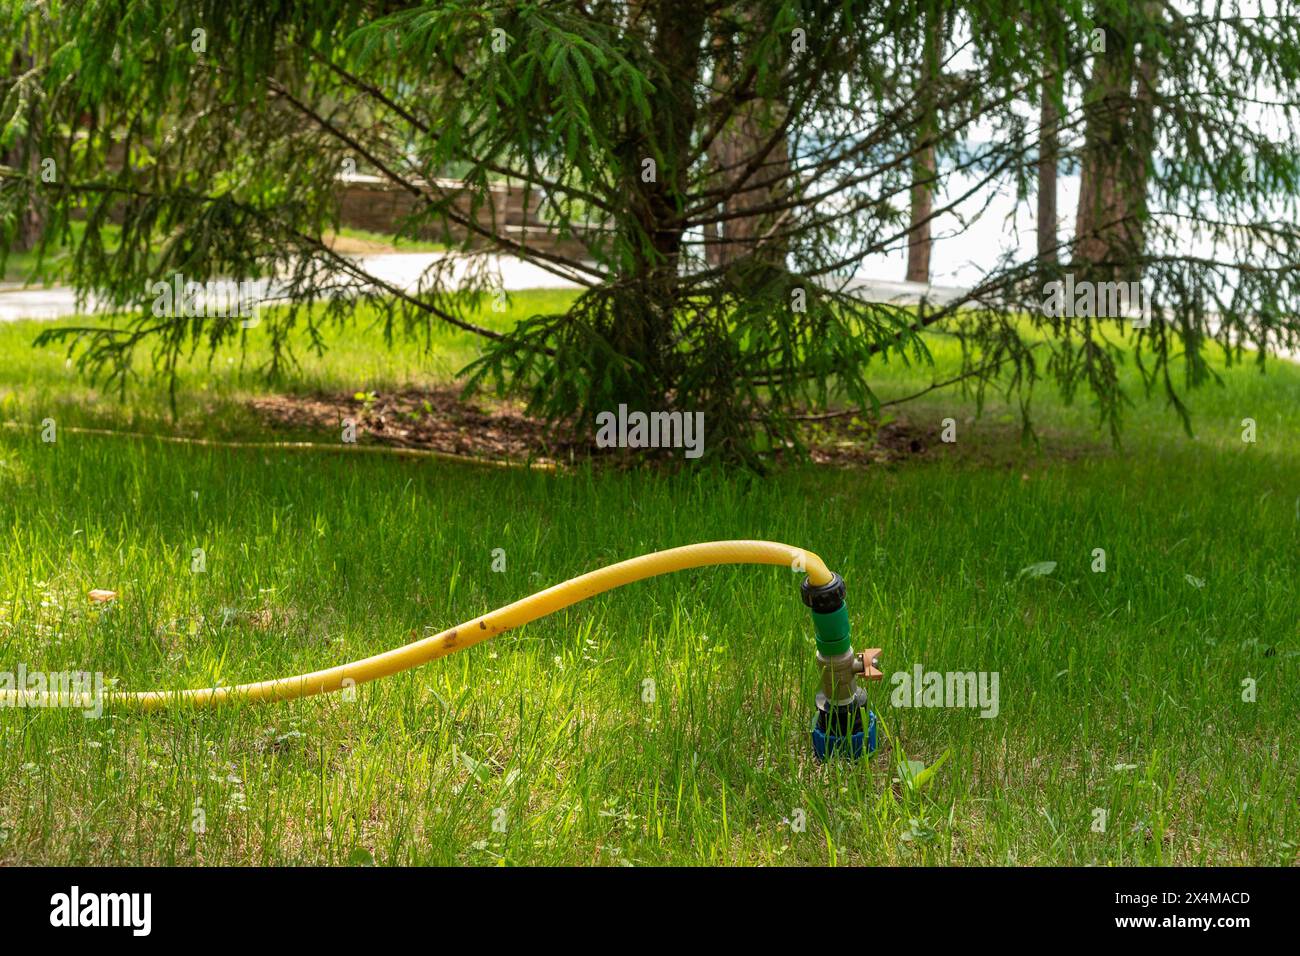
x=404, y=269
x=399, y=269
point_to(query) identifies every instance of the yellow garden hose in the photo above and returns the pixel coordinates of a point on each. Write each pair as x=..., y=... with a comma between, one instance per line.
x=479, y=629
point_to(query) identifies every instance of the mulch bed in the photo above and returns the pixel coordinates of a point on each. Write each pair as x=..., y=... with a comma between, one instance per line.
x=439, y=419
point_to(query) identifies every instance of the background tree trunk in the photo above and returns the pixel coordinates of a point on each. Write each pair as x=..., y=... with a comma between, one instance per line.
x=1048, y=158
x=924, y=165
x=746, y=135
x=1118, y=144
x=28, y=228
x=742, y=236
x=919, y=241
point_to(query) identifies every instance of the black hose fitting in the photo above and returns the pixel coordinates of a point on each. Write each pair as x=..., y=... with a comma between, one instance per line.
x=825, y=598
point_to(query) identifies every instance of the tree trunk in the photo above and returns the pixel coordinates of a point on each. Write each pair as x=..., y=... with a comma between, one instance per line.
x=744, y=235
x=919, y=241
x=1048, y=158
x=644, y=330
x=30, y=220
x=1118, y=145
x=28, y=228
x=924, y=166
x=745, y=137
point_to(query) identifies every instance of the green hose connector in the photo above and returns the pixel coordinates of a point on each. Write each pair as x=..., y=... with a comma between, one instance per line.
x=832, y=631
x=830, y=615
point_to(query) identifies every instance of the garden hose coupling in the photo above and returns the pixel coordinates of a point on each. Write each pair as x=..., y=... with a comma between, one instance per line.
x=844, y=723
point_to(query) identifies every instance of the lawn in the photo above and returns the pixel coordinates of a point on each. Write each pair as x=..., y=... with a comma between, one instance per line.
x=1120, y=691
x=26, y=268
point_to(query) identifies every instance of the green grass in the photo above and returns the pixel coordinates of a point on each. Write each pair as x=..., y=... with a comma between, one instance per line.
x=399, y=243
x=29, y=269
x=1119, y=691
x=24, y=267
